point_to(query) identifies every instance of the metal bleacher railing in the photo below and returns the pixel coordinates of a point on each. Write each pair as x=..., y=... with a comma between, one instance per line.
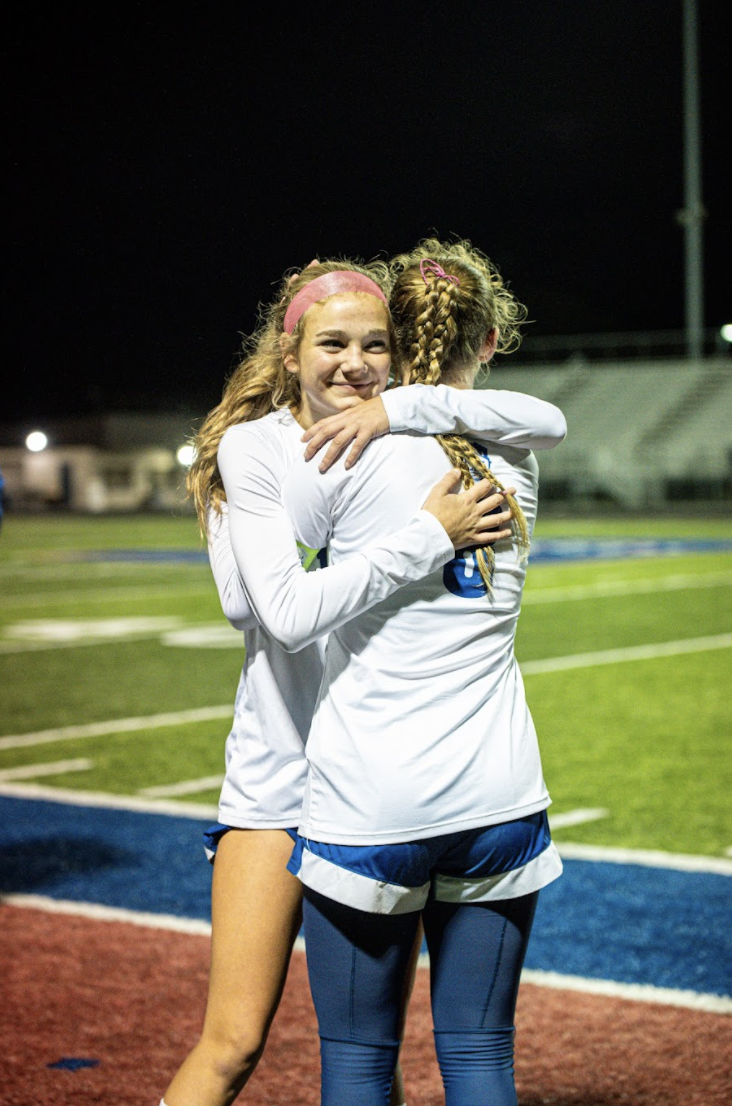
x=621, y=346
x=644, y=419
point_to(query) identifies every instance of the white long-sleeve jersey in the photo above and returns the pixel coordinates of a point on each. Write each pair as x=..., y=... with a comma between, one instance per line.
x=265, y=591
x=422, y=726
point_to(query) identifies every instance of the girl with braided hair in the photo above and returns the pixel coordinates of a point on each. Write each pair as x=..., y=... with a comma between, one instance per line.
x=324, y=343
x=425, y=794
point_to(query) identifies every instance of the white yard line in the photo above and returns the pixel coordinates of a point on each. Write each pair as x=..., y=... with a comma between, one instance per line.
x=618, y=588
x=629, y=653
x=184, y=787
x=206, y=812
x=635, y=992
x=116, y=725
x=577, y=817
x=528, y=668
x=50, y=768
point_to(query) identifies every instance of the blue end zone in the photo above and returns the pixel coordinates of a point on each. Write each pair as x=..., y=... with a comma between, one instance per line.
x=635, y=924
x=146, y=862
x=542, y=549
x=608, y=549
x=622, y=922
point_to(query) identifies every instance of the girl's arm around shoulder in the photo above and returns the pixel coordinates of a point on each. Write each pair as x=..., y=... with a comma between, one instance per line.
x=507, y=418
x=294, y=606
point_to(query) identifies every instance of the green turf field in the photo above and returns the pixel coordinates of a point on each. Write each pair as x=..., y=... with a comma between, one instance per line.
x=85, y=641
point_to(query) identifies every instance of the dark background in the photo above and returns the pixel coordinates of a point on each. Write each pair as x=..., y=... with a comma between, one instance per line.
x=166, y=171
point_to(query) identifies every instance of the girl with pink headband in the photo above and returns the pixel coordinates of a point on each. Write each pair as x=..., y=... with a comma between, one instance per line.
x=325, y=343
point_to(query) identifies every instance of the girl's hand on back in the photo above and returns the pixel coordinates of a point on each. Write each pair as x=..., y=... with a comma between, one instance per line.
x=468, y=517
x=365, y=420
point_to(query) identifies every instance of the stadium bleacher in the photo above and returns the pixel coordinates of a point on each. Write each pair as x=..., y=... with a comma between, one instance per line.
x=636, y=428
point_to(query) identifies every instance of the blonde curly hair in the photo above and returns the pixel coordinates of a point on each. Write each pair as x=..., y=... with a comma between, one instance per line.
x=261, y=383
x=442, y=326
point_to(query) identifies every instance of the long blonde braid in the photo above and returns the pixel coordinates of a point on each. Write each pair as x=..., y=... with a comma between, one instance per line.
x=442, y=323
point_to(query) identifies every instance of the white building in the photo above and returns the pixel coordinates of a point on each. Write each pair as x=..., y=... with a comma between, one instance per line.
x=109, y=463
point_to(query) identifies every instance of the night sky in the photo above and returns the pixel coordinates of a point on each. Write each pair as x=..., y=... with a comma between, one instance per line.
x=164, y=175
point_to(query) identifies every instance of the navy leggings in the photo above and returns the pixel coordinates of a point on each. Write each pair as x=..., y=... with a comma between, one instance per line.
x=357, y=964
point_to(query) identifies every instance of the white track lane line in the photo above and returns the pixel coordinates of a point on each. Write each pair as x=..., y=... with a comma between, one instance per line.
x=635, y=992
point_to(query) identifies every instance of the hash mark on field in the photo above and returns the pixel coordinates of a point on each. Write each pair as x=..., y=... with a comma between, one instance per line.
x=577, y=817
x=116, y=726
x=185, y=787
x=51, y=768
x=618, y=588
x=629, y=653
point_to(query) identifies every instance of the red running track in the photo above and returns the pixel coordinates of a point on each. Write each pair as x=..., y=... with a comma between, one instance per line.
x=132, y=998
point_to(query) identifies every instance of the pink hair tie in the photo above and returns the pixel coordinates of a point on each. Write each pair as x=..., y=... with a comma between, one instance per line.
x=330, y=284
x=436, y=270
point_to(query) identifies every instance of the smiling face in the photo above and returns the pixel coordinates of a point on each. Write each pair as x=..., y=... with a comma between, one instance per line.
x=344, y=354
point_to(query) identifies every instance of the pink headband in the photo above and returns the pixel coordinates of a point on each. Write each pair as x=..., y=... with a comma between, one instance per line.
x=430, y=266
x=328, y=285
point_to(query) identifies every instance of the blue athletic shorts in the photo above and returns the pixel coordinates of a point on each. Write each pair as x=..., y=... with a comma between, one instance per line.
x=214, y=833
x=504, y=861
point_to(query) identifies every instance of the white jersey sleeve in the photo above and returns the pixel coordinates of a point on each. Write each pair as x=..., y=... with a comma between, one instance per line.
x=234, y=602
x=506, y=418
x=296, y=607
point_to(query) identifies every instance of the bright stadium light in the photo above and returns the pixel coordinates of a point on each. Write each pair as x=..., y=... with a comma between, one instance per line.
x=726, y=332
x=36, y=441
x=186, y=455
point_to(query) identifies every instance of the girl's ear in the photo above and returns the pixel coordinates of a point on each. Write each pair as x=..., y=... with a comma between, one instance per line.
x=289, y=356
x=489, y=345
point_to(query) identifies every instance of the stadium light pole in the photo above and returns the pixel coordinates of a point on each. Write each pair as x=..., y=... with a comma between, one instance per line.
x=692, y=216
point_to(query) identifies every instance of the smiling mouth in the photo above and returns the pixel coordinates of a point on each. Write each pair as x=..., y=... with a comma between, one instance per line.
x=348, y=384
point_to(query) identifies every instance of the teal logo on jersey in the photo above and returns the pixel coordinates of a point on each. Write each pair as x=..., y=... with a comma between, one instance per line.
x=310, y=559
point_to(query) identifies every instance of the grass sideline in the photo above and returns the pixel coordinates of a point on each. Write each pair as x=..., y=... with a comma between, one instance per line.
x=648, y=740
